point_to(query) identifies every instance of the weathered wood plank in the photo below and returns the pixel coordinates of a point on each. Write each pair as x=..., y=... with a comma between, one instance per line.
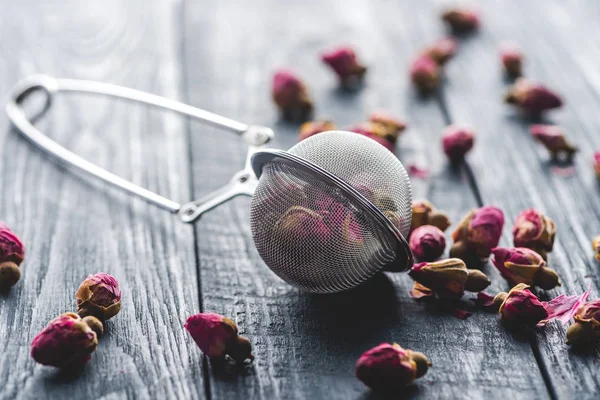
x=306, y=346
x=73, y=227
x=515, y=173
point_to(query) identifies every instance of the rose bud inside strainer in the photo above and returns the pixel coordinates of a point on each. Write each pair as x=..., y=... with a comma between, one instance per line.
x=331, y=212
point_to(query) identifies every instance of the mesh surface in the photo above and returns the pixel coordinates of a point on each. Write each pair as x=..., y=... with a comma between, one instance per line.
x=317, y=236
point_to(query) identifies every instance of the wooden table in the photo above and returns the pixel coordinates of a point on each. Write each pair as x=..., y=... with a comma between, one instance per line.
x=220, y=55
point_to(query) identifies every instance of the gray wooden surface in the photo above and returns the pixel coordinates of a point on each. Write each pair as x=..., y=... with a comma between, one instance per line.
x=220, y=56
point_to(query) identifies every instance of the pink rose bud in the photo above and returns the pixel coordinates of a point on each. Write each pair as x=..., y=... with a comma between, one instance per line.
x=448, y=278
x=535, y=231
x=457, y=141
x=585, y=331
x=425, y=74
x=523, y=265
x=442, y=50
x=427, y=243
x=477, y=234
x=99, y=295
x=461, y=20
x=512, y=60
x=302, y=228
x=12, y=253
x=553, y=139
x=311, y=128
x=374, y=131
x=217, y=337
x=345, y=64
x=596, y=248
x=532, y=97
x=424, y=213
x=291, y=95
x=392, y=126
x=66, y=341
x=390, y=368
x=597, y=163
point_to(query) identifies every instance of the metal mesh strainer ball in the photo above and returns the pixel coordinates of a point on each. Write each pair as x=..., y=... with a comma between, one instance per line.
x=331, y=212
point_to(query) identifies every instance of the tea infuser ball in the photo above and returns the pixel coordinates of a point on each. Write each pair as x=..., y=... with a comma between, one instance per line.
x=331, y=212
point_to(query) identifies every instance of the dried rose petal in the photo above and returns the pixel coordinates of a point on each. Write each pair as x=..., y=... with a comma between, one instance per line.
x=477, y=234
x=512, y=60
x=532, y=97
x=523, y=265
x=424, y=213
x=448, y=278
x=390, y=368
x=66, y=341
x=553, y=139
x=99, y=295
x=427, y=243
x=291, y=95
x=392, y=126
x=377, y=132
x=345, y=64
x=597, y=163
x=484, y=299
x=442, y=50
x=311, y=128
x=535, y=231
x=457, y=141
x=563, y=308
x=425, y=74
x=596, y=248
x=585, y=331
x=418, y=172
x=461, y=20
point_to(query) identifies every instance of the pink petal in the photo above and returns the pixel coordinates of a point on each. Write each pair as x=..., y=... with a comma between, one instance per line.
x=418, y=172
x=563, y=308
x=460, y=314
x=484, y=299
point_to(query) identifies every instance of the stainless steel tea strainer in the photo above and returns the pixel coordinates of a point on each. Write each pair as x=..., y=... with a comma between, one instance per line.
x=325, y=216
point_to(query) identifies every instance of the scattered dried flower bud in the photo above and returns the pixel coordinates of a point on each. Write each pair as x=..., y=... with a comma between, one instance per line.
x=596, y=248
x=66, y=341
x=301, y=227
x=532, y=97
x=535, y=231
x=461, y=20
x=442, y=50
x=377, y=132
x=95, y=324
x=512, y=60
x=523, y=265
x=427, y=243
x=311, y=128
x=424, y=213
x=392, y=126
x=390, y=368
x=99, y=295
x=217, y=336
x=477, y=234
x=449, y=278
x=345, y=64
x=585, y=331
x=425, y=74
x=457, y=141
x=12, y=253
x=553, y=139
x=291, y=95
x=597, y=163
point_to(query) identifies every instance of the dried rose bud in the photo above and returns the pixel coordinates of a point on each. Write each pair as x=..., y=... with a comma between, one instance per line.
x=457, y=141
x=345, y=64
x=596, y=247
x=523, y=265
x=99, y=295
x=12, y=253
x=535, y=231
x=532, y=97
x=477, y=234
x=585, y=331
x=424, y=213
x=377, y=132
x=392, y=126
x=597, y=163
x=300, y=227
x=512, y=60
x=217, y=336
x=449, y=278
x=461, y=20
x=390, y=368
x=66, y=341
x=95, y=324
x=311, y=128
x=291, y=95
x=442, y=50
x=553, y=139
x=425, y=74
x=427, y=243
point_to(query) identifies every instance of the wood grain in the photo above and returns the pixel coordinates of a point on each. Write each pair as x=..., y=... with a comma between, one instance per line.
x=306, y=346
x=73, y=228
